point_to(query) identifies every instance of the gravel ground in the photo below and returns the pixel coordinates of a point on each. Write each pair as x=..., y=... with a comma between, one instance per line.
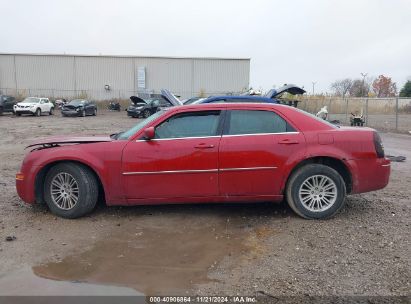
x=250, y=249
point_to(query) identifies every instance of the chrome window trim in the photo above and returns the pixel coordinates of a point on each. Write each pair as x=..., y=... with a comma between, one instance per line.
x=387, y=165
x=256, y=134
x=179, y=138
x=198, y=171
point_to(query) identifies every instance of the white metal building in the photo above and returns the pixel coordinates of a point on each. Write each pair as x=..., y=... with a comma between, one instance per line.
x=105, y=77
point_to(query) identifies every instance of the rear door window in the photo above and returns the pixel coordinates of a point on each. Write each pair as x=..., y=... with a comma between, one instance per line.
x=255, y=122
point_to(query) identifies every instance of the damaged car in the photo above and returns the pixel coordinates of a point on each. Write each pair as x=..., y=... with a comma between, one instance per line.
x=79, y=107
x=272, y=96
x=146, y=107
x=209, y=153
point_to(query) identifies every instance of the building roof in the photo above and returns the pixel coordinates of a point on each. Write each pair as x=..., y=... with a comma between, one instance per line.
x=124, y=56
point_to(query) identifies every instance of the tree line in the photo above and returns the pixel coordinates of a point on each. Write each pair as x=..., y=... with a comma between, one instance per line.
x=382, y=86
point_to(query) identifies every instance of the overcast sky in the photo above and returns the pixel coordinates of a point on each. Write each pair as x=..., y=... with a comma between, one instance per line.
x=288, y=41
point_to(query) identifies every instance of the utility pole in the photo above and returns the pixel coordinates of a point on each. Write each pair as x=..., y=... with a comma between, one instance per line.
x=363, y=83
x=313, y=86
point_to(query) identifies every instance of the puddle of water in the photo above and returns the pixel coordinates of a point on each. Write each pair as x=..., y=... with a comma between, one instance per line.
x=23, y=282
x=164, y=259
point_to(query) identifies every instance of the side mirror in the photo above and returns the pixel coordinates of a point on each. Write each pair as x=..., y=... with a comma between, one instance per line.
x=149, y=133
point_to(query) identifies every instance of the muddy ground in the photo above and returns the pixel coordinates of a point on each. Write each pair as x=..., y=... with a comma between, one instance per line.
x=249, y=249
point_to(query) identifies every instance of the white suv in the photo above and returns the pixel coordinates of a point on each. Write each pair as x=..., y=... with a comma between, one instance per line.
x=34, y=106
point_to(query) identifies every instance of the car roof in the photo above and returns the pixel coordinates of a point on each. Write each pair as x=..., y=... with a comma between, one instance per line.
x=247, y=97
x=232, y=105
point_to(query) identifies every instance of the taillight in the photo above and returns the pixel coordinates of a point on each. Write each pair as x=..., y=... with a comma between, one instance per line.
x=379, y=148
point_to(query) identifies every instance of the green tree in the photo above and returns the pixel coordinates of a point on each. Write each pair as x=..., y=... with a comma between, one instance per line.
x=406, y=89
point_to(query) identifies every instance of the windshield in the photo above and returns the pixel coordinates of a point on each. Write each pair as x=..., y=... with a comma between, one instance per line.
x=31, y=100
x=130, y=132
x=76, y=102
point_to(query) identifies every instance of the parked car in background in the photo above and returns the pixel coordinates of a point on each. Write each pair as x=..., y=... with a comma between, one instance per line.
x=146, y=107
x=272, y=96
x=79, y=107
x=7, y=104
x=59, y=103
x=34, y=106
x=232, y=152
x=143, y=107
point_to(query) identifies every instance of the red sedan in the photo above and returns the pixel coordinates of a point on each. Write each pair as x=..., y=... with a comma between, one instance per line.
x=209, y=153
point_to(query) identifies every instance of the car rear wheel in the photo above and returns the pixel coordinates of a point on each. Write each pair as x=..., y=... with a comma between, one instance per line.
x=95, y=112
x=146, y=113
x=1, y=111
x=316, y=191
x=51, y=111
x=70, y=190
x=38, y=112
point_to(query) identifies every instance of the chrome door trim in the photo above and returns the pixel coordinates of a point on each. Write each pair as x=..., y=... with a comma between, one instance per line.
x=199, y=171
x=246, y=169
x=170, y=172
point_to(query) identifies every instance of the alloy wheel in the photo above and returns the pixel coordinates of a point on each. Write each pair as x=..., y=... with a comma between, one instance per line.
x=64, y=191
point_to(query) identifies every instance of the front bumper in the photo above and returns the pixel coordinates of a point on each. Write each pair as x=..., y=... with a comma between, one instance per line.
x=71, y=112
x=134, y=113
x=25, y=184
x=369, y=174
x=24, y=110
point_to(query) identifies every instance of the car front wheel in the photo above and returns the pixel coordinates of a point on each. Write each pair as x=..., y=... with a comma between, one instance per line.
x=51, y=111
x=38, y=112
x=316, y=191
x=70, y=190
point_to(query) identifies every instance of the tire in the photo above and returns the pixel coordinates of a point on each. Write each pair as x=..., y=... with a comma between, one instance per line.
x=297, y=192
x=146, y=113
x=51, y=111
x=1, y=111
x=38, y=112
x=83, y=113
x=87, y=194
x=95, y=112
x=64, y=115
x=18, y=114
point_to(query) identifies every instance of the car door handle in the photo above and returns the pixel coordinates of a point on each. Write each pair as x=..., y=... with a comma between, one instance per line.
x=288, y=142
x=204, y=146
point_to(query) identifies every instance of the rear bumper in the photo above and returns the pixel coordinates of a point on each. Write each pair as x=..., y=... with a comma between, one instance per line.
x=369, y=174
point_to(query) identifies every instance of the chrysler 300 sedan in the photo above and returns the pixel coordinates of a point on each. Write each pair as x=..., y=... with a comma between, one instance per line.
x=237, y=152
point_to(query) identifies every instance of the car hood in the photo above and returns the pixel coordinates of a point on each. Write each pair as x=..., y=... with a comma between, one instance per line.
x=167, y=95
x=289, y=88
x=57, y=140
x=138, y=101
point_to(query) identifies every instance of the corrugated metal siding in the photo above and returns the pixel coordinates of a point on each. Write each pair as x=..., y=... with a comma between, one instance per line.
x=170, y=73
x=45, y=72
x=7, y=72
x=220, y=76
x=70, y=75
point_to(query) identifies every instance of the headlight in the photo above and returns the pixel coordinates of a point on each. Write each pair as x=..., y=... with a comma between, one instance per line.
x=78, y=109
x=139, y=108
